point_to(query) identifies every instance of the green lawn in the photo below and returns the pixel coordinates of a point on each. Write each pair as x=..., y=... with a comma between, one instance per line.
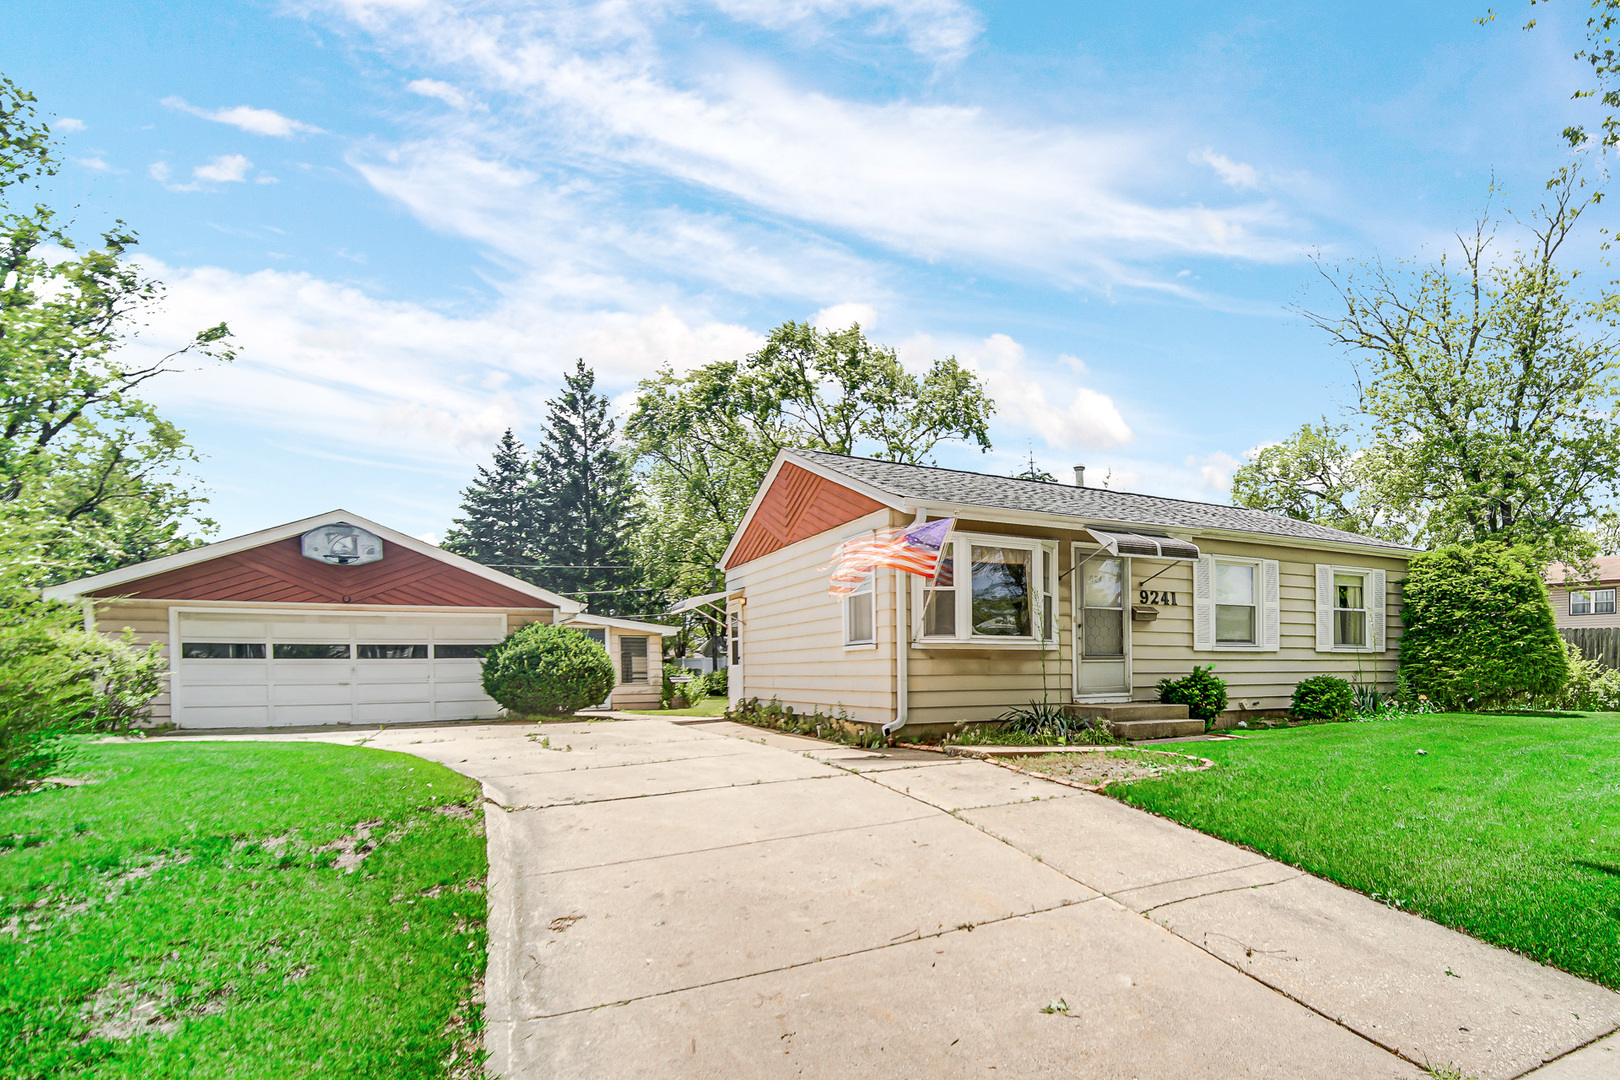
x=709, y=706
x=1507, y=828
x=175, y=918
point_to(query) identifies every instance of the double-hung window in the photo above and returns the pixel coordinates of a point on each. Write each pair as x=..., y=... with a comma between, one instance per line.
x=1591, y=602
x=1236, y=607
x=860, y=615
x=991, y=588
x=1349, y=609
x=734, y=635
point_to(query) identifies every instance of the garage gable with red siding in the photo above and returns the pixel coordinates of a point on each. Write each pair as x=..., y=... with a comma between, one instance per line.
x=278, y=573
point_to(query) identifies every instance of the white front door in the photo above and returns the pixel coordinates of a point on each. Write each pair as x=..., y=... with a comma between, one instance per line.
x=274, y=669
x=1102, y=632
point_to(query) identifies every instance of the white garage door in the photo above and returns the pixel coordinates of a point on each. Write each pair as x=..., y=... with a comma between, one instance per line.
x=248, y=670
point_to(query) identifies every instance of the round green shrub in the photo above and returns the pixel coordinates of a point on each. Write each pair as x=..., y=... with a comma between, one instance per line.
x=1203, y=692
x=1323, y=697
x=542, y=670
x=1478, y=628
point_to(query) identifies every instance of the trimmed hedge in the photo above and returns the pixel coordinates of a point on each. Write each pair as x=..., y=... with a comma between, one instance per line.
x=1323, y=697
x=1478, y=628
x=542, y=670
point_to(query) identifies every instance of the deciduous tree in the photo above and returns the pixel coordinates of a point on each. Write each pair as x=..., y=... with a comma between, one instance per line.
x=1487, y=398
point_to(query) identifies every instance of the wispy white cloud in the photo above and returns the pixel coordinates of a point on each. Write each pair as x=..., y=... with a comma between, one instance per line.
x=843, y=316
x=443, y=91
x=1232, y=173
x=247, y=118
x=588, y=84
x=937, y=29
x=67, y=123
x=224, y=169
x=96, y=162
x=1030, y=398
x=327, y=361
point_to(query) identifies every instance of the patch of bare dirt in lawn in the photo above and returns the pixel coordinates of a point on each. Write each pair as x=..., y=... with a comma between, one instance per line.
x=1099, y=768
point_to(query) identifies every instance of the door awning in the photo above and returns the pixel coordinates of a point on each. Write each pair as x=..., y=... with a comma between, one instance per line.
x=1142, y=546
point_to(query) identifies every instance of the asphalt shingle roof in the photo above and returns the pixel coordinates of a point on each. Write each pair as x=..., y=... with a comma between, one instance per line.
x=929, y=484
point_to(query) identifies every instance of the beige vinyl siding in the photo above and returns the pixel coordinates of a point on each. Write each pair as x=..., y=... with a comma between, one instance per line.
x=1560, y=605
x=954, y=683
x=1261, y=680
x=793, y=651
x=793, y=632
x=150, y=621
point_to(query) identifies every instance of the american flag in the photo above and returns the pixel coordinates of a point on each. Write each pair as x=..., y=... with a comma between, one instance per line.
x=914, y=550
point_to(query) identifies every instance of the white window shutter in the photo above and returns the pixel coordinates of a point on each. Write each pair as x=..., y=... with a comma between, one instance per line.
x=1204, y=603
x=1324, y=607
x=1271, y=613
x=1377, y=585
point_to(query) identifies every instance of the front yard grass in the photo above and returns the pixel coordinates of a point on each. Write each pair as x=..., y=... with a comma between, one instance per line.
x=190, y=913
x=1505, y=827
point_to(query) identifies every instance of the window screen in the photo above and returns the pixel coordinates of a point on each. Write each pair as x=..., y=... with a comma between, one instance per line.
x=859, y=615
x=633, y=659
x=1235, y=603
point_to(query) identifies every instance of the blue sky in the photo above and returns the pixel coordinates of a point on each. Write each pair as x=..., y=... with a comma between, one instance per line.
x=416, y=213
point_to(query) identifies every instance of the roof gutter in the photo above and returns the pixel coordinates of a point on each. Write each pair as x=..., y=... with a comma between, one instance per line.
x=974, y=512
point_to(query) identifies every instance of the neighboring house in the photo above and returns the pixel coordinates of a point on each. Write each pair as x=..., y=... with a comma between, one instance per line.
x=338, y=620
x=1053, y=591
x=1579, y=601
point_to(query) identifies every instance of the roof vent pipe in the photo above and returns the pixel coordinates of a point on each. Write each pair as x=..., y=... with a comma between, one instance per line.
x=1079, y=476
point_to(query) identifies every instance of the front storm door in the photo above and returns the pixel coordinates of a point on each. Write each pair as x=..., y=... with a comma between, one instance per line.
x=1103, y=631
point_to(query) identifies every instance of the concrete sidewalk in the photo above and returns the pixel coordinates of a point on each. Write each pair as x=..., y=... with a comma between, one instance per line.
x=709, y=900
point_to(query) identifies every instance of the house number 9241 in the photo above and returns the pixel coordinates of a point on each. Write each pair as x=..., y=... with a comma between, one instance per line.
x=1155, y=598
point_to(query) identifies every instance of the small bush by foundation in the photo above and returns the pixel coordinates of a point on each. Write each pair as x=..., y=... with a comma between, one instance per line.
x=1323, y=697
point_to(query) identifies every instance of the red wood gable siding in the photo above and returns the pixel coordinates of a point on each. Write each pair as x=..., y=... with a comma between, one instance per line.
x=278, y=573
x=798, y=505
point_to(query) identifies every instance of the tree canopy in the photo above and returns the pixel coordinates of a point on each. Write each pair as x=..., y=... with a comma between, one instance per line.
x=90, y=473
x=702, y=442
x=1488, y=395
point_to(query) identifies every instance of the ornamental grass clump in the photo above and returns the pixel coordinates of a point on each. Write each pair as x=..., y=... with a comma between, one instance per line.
x=542, y=670
x=1478, y=629
x=1324, y=697
x=1202, y=691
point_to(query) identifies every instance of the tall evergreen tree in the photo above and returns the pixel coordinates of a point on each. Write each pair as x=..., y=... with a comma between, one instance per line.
x=500, y=523
x=584, y=500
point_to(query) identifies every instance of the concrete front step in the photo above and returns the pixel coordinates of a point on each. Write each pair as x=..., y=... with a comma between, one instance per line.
x=1137, y=730
x=1130, y=710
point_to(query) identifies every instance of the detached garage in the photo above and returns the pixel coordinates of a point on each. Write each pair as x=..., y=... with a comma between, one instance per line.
x=338, y=620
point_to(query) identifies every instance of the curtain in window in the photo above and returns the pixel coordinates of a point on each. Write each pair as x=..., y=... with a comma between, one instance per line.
x=1001, y=579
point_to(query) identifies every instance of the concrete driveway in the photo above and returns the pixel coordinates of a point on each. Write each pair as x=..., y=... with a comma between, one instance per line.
x=708, y=900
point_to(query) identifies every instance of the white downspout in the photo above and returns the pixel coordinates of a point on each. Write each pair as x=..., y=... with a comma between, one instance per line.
x=902, y=643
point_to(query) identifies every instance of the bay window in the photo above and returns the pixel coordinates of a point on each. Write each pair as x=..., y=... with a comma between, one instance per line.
x=991, y=588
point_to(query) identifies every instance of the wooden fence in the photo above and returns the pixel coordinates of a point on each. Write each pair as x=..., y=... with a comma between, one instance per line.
x=1600, y=643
